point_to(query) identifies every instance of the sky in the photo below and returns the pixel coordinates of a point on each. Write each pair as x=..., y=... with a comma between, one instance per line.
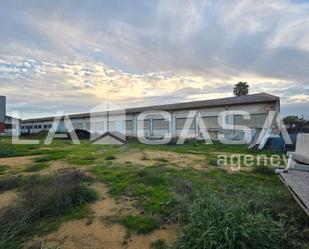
x=71, y=55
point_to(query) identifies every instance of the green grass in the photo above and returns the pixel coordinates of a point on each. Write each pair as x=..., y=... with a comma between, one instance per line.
x=3, y=168
x=158, y=244
x=214, y=222
x=140, y=224
x=165, y=192
x=36, y=167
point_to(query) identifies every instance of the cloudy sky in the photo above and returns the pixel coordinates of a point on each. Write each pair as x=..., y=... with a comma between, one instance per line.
x=71, y=55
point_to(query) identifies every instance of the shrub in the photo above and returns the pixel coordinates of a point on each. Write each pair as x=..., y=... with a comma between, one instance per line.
x=214, y=223
x=140, y=224
x=41, y=198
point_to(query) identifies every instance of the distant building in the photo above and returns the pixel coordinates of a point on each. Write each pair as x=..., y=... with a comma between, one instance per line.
x=257, y=105
x=7, y=123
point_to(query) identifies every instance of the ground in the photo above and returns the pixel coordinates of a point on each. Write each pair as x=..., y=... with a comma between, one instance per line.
x=137, y=188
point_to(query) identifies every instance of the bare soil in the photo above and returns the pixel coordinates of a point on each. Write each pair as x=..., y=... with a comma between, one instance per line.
x=17, y=162
x=150, y=158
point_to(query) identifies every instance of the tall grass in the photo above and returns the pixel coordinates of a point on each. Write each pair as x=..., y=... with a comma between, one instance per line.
x=216, y=223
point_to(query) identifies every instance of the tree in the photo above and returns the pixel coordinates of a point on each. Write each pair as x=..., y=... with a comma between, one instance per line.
x=241, y=89
x=294, y=121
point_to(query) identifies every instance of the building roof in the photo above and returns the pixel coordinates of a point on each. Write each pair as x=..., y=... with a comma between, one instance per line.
x=236, y=100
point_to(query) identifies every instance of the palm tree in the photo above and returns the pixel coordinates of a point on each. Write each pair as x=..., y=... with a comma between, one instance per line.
x=241, y=89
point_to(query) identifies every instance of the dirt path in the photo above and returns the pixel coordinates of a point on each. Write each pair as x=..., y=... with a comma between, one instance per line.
x=101, y=232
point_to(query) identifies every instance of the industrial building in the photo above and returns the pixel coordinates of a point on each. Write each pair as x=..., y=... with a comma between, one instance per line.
x=257, y=105
x=7, y=123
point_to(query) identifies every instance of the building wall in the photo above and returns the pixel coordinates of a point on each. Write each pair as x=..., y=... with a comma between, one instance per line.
x=2, y=113
x=156, y=127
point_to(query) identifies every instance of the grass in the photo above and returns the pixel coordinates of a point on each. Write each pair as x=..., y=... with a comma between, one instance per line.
x=167, y=193
x=217, y=223
x=140, y=224
x=3, y=168
x=36, y=167
x=158, y=244
x=44, y=200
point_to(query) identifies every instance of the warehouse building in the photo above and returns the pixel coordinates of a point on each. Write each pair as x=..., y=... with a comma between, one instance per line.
x=257, y=105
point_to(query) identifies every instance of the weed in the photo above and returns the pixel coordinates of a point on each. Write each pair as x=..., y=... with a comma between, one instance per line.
x=159, y=244
x=140, y=224
x=36, y=167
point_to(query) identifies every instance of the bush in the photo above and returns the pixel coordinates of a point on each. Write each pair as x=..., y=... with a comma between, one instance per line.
x=214, y=223
x=41, y=198
x=140, y=224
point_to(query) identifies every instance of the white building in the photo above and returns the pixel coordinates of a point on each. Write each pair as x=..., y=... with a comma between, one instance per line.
x=257, y=105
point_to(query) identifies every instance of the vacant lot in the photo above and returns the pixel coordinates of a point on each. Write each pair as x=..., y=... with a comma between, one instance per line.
x=137, y=196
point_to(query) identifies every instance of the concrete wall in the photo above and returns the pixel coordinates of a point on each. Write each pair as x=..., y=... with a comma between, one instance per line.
x=156, y=127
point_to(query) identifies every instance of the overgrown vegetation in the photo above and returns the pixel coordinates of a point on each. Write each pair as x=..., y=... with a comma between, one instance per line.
x=215, y=222
x=140, y=224
x=248, y=205
x=43, y=198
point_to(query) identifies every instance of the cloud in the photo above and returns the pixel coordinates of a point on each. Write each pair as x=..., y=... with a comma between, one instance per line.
x=151, y=51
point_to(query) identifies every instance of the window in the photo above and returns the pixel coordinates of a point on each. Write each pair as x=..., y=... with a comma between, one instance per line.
x=39, y=126
x=129, y=125
x=78, y=126
x=88, y=126
x=211, y=122
x=160, y=124
x=146, y=124
x=180, y=122
x=35, y=127
x=255, y=121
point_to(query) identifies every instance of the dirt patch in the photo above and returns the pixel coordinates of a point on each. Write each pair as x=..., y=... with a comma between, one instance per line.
x=99, y=232
x=7, y=198
x=17, y=161
x=150, y=158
